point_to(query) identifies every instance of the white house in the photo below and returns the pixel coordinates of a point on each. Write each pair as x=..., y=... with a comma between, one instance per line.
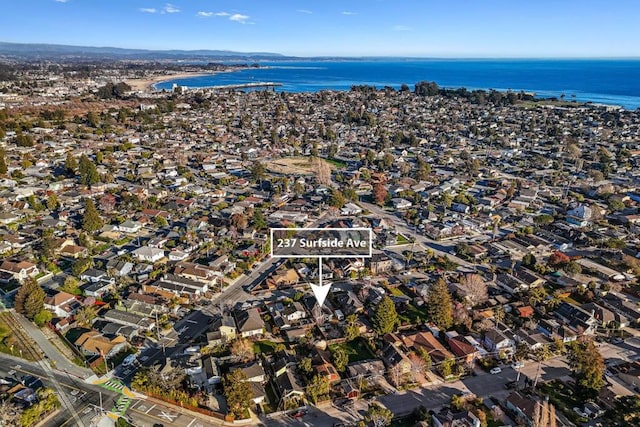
x=148, y=254
x=351, y=209
x=130, y=226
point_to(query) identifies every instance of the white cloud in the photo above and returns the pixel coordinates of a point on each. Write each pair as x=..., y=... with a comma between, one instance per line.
x=237, y=17
x=346, y=12
x=61, y=1
x=169, y=8
x=148, y=10
x=308, y=12
x=401, y=28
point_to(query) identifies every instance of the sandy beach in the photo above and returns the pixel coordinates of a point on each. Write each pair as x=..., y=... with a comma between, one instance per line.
x=146, y=84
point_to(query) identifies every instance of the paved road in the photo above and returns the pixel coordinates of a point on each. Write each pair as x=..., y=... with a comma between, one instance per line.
x=147, y=414
x=87, y=396
x=438, y=248
x=60, y=360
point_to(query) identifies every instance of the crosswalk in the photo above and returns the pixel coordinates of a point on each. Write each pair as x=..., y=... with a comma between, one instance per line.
x=113, y=385
x=122, y=404
x=124, y=401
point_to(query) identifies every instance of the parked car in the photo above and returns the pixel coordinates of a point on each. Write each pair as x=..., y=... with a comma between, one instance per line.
x=517, y=365
x=495, y=370
x=580, y=412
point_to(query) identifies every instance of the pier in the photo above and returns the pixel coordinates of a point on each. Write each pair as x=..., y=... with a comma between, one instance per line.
x=254, y=85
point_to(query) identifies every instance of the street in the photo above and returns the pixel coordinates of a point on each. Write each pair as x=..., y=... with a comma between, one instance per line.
x=84, y=398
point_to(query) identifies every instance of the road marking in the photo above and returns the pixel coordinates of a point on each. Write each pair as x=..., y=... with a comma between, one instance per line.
x=147, y=411
x=192, y=421
x=167, y=416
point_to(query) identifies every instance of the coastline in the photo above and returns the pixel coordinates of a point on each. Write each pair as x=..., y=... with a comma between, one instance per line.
x=547, y=79
x=148, y=84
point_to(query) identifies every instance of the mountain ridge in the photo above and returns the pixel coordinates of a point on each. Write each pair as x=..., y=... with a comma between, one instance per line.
x=46, y=50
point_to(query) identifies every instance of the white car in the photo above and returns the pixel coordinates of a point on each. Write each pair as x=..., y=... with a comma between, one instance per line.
x=495, y=371
x=517, y=365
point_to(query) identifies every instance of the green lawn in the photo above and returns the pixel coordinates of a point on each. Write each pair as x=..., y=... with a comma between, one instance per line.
x=337, y=163
x=412, y=314
x=357, y=350
x=401, y=240
x=265, y=346
x=396, y=292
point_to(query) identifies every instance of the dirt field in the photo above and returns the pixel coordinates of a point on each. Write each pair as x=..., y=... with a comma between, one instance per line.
x=300, y=166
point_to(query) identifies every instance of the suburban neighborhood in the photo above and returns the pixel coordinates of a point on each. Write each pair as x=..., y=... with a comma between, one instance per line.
x=135, y=255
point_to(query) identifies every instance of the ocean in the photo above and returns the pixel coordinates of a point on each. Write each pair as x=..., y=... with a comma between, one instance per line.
x=606, y=81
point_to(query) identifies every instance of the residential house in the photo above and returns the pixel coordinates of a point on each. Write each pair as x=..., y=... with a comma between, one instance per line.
x=447, y=418
x=461, y=348
x=62, y=304
x=249, y=323
x=93, y=343
x=396, y=361
x=222, y=330
x=498, y=342
x=576, y=318
x=19, y=270
x=380, y=263
x=148, y=254
x=580, y=216
x=179, y=286
x=428, y=343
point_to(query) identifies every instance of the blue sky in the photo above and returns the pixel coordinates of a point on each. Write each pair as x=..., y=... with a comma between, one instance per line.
x=454, y=28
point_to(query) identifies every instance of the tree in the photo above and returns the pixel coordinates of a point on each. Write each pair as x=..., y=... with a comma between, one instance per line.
x=88, y=172
x=258, y=171
x=239, y=221
x=588, y=367
x=91, y=220
x=86, y=315
x=323, y=171
x=439, y=305
x=380, y=194
x=446, y=367
x=337, y=199
x=537, y=295
x=340, y=358
x=29, y=299
x=544, y=219
x=3, y=162
x=626, y=411
x=378, y=416
x=258, y=219
x=43, y=317
x=52, y=202
x=352, y=330
x=80, y=266
x=573, y=268
x=426, y=358
x=306, y=366
x=474, y=288
x=385, y=319
x=529, y=260
x=238, y=393
x=317, y=387
x=70, y=165
x=242, y=349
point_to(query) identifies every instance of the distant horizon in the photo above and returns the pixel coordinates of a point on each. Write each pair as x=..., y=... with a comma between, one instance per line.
x=357, y=28
x=277, y=54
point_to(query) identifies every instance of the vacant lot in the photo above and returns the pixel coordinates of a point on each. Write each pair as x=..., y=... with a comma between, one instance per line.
x=301, y=166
